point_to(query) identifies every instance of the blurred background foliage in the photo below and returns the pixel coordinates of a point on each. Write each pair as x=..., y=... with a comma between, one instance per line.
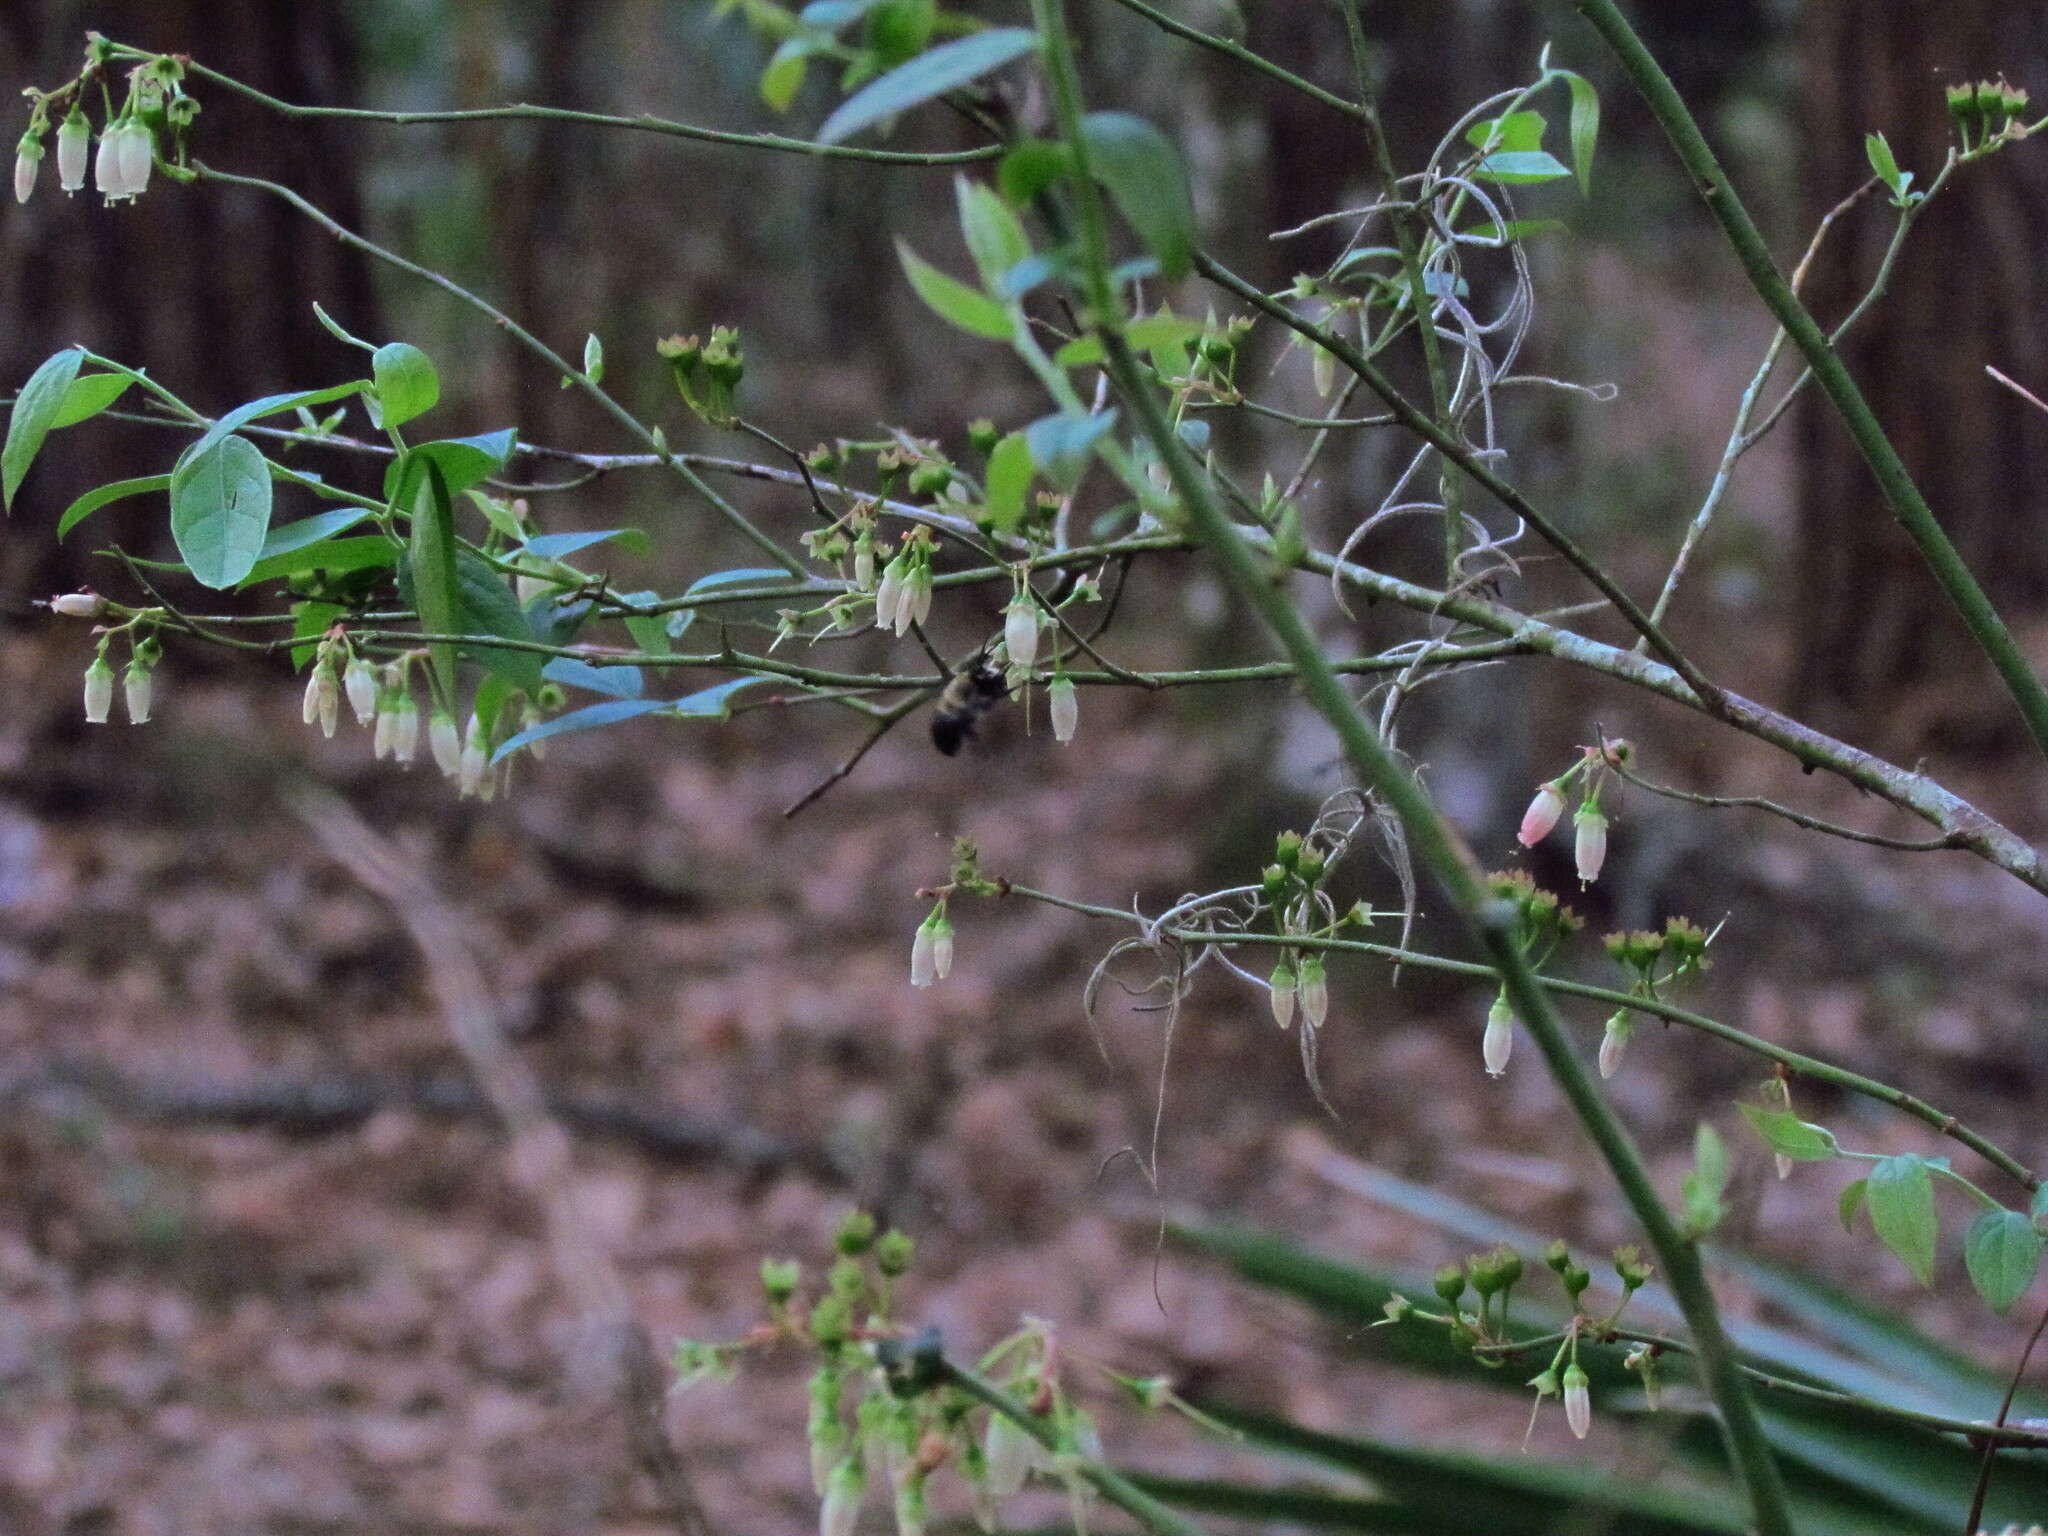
x=674, y=863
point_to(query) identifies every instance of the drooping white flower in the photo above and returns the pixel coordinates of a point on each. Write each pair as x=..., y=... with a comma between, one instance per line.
x=840, y=1511
x=137, y=151
x=74, y=141
x=1613, y=1042
x=79, y=605
x=474, y=759
x=924, y=956
x=1281, y=992
x=1578, y=1401
x=405, y=732
x=1020, y=632
x=138, y=687
x=1314, y=990
x=1591, y=847
x=99, y=691
x=446, y=743
x=1500, y=1037
x=359, y=681
x=1066, y=708
x=942, y=949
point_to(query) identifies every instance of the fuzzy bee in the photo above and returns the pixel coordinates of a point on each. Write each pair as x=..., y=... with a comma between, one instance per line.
x=975, y=690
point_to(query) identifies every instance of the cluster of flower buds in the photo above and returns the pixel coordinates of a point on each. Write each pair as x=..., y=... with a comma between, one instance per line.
x=903, y=596
x=931, y=952
x=707, y=373
x=1652, y=960
x=1986, y=111
x=1292, y=888
x=382, y=699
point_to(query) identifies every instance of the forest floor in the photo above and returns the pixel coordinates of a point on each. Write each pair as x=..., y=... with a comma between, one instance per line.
x=264, y=1266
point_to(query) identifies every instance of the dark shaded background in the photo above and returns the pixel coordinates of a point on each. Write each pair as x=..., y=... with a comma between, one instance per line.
x=263, y=1270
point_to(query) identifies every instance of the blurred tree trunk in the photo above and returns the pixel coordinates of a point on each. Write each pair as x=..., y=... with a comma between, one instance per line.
x=1969, y=291
x=209, y=290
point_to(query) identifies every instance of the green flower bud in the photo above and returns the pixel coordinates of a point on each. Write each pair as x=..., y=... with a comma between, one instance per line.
x=856, y=1234
x=894, y=1251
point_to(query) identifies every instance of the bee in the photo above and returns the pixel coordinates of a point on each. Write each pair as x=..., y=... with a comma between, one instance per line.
x=974, y=690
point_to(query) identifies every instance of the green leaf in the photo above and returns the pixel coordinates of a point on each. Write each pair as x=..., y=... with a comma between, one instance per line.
x=945, y=68
x=953, y=301
x=1516, y=167
x=2002, y=1251
x=784, y=76
x=1008, y=482
x=1516, y=133
x=1881, y=161
x=1901, y=1200
x=1031, y=167
x=1585, y=128
x=464, y=462
x=1060, y=444
x=707, y=703
x=1142, y=170
x=93, y=500
x=407, y=385
x=1704, y=1185
x=485, y=604
x=649, y=630
x=220, y=511
x=90, y=395
x=1851, y=1202
x=613, y=682
x=371, y=552
x=1789, y=1136
x=430, y=565
x=995, y=236
x=269, y=405
x=559, y=546
x=35, y=412
x=311, y=530
x=1149, y=334
x=677, y=622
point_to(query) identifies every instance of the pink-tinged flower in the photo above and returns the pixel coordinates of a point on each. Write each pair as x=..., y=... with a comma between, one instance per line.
x=1614, y=1042
x=1542, y=815
x=1578, y=1401
x=74, y=141
x=79, y=605
x=1066, y=708
x=1499, y=1041
x=28, y=159
x=1591, y=848
x=99, y=691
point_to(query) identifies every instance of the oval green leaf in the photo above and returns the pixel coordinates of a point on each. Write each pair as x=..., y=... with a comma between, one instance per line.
x=1901, y=1201
x=220, y=511
x=945, y=68
x=407, y=385
x=90, y=395
x=1517, y=167
x=2002, y=1252
x=1142, y=171
x=953, y=301
x=35, y=412
x=93, y=500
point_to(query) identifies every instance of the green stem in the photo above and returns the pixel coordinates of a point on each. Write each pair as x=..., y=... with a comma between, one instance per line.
x=1489, y=921
x=1120, y=1491
x=1242, y=55
x=642, y=122
x=1908, y=506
